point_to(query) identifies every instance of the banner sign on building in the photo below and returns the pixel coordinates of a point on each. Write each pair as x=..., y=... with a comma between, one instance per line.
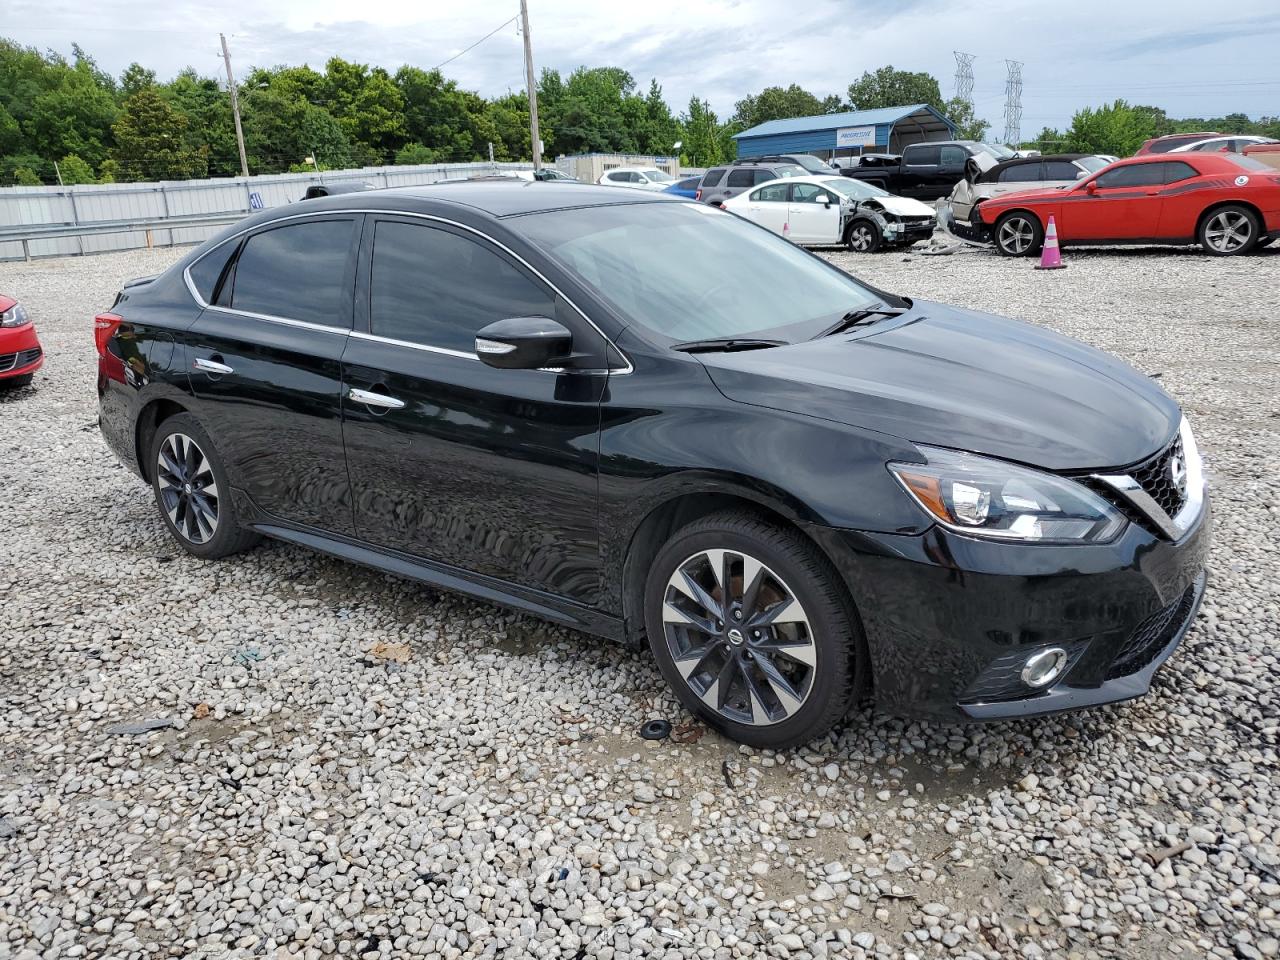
x=856, y=137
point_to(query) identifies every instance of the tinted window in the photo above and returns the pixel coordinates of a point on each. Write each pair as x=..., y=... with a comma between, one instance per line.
x=206, y=271
x=296, y=272
x=1061, y=170
x=712, y=177
x=764, y=176
x=922, y=154
x=1022, y=173
x=1134, y=175
x=690, y=184
x=954, y=156
x=774, y=193
x=742, y=178
x=436, y=288
x=1176, y=170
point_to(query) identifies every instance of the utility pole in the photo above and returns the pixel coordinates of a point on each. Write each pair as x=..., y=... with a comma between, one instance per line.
x=235, y=106
x=1013, y=105
x=532, y=85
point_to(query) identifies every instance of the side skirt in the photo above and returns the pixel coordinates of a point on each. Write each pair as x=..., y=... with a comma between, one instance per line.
x=453, y=579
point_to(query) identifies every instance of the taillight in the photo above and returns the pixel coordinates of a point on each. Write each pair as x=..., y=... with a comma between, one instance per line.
x=104, y=326
x=697, y=194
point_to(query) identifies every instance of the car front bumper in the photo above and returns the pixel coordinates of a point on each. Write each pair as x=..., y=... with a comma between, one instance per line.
x=20, y=351
x=950, y=620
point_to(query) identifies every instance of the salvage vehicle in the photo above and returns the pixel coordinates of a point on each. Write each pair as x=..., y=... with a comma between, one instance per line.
x=824, y=211
x=790, y=487
x=1019, y=174
x=20, y=352
x=1171, y=141
x=720, y=183
x=1225, y=202
x=638, y=178
x=928, y=171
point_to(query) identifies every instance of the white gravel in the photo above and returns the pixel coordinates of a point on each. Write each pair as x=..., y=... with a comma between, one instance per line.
x=490, y=797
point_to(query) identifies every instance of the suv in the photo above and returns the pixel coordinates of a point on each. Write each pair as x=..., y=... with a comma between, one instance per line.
x=815, y=165
x=721, y=183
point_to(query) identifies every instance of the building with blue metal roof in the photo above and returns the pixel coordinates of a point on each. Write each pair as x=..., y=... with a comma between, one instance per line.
x=886, y=130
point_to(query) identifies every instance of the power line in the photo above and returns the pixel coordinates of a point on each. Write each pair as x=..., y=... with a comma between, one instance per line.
x=477, y=43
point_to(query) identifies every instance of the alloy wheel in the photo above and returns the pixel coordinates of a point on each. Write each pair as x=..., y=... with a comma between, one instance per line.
x=1228, y=230
x=860, y=238
x=739, y=637
x=188, y=489
x=1017, y=235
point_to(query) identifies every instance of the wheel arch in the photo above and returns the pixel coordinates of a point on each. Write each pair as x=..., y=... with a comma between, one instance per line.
x=1219, y=204
x=154, y=413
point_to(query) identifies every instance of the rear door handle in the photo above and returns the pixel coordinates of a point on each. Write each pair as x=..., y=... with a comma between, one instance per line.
x=371, y=399
x=211, y=366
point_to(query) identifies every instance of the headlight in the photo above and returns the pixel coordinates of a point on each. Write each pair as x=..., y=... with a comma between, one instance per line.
x=991, y=498
x=15, y=316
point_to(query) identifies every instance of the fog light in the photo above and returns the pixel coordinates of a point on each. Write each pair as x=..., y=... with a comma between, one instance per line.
x=1042, y=668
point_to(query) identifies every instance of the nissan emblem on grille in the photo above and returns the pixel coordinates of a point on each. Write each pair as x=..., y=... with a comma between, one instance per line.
x=1178, y=473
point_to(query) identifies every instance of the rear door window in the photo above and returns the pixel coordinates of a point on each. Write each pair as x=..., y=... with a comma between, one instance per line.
x=921, y=155
x=712, y=177
x=742, y=178
x=773, y=193
x=297, y=272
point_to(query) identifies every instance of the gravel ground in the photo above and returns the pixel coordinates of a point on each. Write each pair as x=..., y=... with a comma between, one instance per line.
x=489, y=796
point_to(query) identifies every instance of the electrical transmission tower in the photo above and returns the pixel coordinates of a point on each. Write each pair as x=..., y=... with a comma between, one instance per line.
x=1013, y=105
x=964, y=76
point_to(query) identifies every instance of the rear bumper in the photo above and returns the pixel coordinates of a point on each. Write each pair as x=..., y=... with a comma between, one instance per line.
x=950, y=620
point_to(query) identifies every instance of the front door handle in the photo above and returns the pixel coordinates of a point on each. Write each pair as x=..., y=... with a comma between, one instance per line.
x=211, y=366
x=371, y=399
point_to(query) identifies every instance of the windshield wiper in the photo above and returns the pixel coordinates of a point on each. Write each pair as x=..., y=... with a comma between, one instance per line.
x=726, y=344
x=856, y=317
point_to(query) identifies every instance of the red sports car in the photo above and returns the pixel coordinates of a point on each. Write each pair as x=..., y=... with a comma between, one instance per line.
x=20, y=353
x=1226, y=202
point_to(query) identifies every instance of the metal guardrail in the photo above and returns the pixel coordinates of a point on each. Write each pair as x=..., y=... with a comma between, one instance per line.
x=24, y=234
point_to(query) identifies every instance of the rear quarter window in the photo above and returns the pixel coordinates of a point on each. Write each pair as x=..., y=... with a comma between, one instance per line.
x=206, y=271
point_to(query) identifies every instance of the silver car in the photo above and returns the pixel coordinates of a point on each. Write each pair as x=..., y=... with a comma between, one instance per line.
x=1018, y=174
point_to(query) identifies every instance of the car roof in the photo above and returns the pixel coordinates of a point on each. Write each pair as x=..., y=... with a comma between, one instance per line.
x=497, y=197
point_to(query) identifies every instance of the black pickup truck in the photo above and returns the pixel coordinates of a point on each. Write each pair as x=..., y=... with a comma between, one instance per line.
x=926, y=171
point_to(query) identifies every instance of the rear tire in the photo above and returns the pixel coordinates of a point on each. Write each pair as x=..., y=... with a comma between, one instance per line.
x=1229, y=231
x=1018, y=234
x=775, y=660
x=864, y=236
x=192, y=491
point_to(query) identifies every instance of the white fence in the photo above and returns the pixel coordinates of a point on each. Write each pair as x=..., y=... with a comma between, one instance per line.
x=116, y=202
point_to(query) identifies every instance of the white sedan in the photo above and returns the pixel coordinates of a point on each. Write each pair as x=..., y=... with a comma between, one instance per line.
x=825, y=211
x=641, y=178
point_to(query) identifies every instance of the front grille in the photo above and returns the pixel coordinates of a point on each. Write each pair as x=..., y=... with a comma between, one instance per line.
x=1152, y=636
x=1154, y=477
x=8, y=361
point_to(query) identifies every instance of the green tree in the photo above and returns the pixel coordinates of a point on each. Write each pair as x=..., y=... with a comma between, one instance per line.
x=701, y=134
x=968, y=126
x=780, y=103
x=75, y=170
x=888, y=87
x=135, y=78
x=415, y=153
x=368, y=105
x=1115, y=128
x=26, y=177
x=151, y=141
x=208, y=107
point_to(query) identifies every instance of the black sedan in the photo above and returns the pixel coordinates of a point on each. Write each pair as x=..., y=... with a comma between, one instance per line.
x=791, y=487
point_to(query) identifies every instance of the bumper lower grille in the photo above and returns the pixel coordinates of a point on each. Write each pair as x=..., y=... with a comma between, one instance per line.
x=16, y=361
x=1152, y=636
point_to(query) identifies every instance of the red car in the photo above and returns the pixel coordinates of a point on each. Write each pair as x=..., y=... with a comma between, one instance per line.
x=1225, y=202
x=20, y=353
x=1171, y=140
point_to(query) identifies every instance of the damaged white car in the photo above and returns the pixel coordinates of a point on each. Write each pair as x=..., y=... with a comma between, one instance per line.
x=826, y=211
x=1019, y=174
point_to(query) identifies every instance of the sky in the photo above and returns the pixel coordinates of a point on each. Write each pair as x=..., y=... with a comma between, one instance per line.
x=1187, y=56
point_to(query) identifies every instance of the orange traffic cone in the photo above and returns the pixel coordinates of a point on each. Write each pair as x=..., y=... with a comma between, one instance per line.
x=1050, y=255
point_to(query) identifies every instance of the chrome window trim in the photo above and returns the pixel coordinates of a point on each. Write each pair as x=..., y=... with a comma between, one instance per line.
x=1176, y=526
x=286, y=321
x=374, y=338
x=331, y=214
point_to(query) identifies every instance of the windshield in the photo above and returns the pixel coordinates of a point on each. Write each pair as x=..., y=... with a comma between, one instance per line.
x=1093, y=164
x=812, y=164
x=641, y=257
x=998, y=150
x=658, y=176
x=854, y=189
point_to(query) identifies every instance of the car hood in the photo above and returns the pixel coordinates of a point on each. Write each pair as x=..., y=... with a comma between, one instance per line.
x=971, y=381
x=902, y=206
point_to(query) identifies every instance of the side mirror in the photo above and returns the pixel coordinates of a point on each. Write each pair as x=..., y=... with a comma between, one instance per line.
x=524, y=343
x=1091, y=186
x=1081, y=174
x=825, y=199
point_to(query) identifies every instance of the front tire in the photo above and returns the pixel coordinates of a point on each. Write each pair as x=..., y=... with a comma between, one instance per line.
x=1019, y=234
x=17, y=383
x=864, y=236
x=1229, y=231
x=192, y=491
x=750, y=627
